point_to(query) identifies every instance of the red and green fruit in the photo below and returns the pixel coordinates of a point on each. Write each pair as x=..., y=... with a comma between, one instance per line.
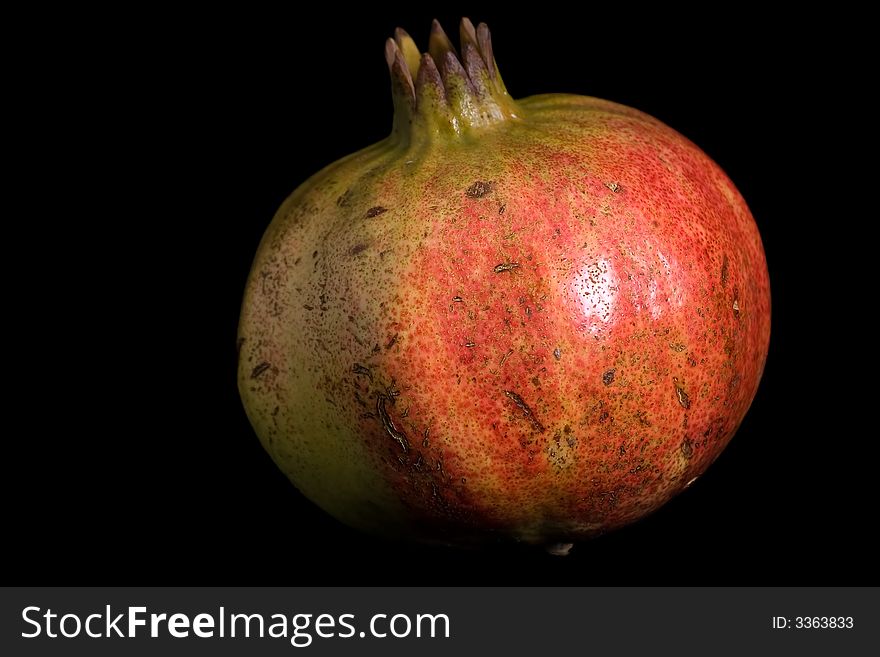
x=536, y=319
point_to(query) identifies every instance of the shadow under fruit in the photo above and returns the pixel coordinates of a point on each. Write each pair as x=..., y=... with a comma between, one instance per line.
x=535, y=319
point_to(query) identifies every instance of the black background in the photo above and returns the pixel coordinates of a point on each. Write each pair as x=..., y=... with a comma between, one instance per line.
x=170, y=140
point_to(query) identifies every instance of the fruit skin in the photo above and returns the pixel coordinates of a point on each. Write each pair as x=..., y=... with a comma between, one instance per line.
x=542, y=328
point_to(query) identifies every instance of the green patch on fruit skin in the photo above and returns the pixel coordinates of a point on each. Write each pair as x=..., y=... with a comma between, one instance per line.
x=535, y=319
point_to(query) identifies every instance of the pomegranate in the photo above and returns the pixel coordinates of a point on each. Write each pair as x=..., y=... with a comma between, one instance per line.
x=536, y=319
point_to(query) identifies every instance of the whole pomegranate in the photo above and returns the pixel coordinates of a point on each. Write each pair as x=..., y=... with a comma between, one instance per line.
x=536, y=319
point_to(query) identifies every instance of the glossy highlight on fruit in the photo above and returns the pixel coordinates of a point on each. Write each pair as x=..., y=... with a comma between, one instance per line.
x=534, y=320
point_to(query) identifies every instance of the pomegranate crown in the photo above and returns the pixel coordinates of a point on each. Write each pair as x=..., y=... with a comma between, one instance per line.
x=441, y=91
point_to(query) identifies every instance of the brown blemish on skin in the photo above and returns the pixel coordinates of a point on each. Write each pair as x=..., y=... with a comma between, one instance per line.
x=557, y=354
x=527, y=412
x=470, y=344
x=392, y=341
x=502, y=208
x=734, y=382
x=505, y=266
x=389, y=425
x=683, y=398
x=687, y=448
x=393, y=392
x=375, y=211
x=609, y=497
x=356, y=249
x=359, y=369
x=457, y=299
x=259, y=369
x=613, y=186
x=479, y=189
x=608, y=376
x=504, y=357
x=729, y=345
x=725, y=273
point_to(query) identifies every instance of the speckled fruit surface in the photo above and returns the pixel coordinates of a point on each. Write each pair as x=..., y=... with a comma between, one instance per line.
x=536, y=319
